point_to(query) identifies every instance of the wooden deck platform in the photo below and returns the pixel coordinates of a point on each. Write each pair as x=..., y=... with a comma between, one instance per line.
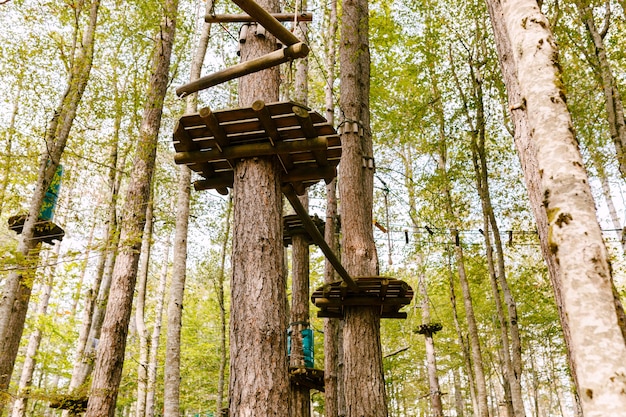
x=307, y=377
x=389, y=294
x=45, y=230
x=210, y=143
x=293, y=226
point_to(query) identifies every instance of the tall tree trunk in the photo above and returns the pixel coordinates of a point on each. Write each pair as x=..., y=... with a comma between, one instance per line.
x=222, y=306
x=364, y=383
x=597, y=346
x=140, y=305
x=171, y=396
x=258, y=320
x=97, y=297
x=299, y=317
x=17, y=286
x=612, y=100
x=156, y=333
x=332, y=383
x=110, y=357
x=431, y=359
x=28, y=368
x=8, y=149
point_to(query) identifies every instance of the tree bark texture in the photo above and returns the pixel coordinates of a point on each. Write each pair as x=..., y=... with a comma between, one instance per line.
x=179, y=270
x=574, y=237
x=259, y=383
x=364, y=383
x=110, y=355
x=299, y=320
x=17, y=287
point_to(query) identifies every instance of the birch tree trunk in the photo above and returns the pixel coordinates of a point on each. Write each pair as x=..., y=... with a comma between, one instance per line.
x=110, y=357
x=8, y=150
x=17, y=287
x=612, y=100
x=258, y=321
x=171, y=396
x=597, y=344
x=140, y=305
x=156, y=333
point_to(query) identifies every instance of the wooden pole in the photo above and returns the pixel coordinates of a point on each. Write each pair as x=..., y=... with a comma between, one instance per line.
x=317, y=237
x=297, y=50
x=268, y=21
x=245, y=18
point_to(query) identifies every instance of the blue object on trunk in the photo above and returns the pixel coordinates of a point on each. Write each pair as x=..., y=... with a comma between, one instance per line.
x=307, y=346
x=52, y=194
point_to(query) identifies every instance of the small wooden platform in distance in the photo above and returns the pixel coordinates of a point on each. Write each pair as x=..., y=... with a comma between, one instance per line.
x=307, y=377
x=389, y=294
x=211, y=143
x=292, y=226
x=45, y=230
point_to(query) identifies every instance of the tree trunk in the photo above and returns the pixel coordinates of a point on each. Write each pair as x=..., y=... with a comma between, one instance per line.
x=597, y=344
x=222, y=306
x=258, y=308
x=612, y=99
x=110, y=357
x=28, y=368
x=431, y=359
x=364, y=383
x=140, y=305
x=17, y=287
x=332, y=383
x=156, y=333
x=172, y=377
x=8, y=150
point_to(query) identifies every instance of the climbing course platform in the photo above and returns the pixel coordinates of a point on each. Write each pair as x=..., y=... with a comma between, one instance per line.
x=293, y=226
x=389, y=294
x=306, y=145
x=45, y=230
x=307, y=377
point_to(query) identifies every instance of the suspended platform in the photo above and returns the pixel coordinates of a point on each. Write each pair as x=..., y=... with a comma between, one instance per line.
x=293, y=226
x=389, y=294
x=210, y=143
x=45, y=230
x=307, y=377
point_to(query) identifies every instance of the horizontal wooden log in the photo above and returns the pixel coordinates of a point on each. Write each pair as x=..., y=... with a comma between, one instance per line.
x=361, y=301
x=298, y=50
x=250, y=150
x=246, y=18
x=267, y=21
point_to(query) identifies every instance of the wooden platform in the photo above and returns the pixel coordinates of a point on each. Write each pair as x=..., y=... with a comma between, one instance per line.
x=211, y=143
x=389, y=294
x=307, y=377
x=293, y=226
x=45, y=230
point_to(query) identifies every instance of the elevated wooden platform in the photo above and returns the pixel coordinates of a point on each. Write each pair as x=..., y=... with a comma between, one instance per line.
x=389, y=294
x=307, y=377
x=210, y=143
x=293, y=226
x=45, y=230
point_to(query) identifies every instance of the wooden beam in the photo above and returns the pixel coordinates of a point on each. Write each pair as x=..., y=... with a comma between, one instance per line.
x=298, y=50
x=208, y=117
x=266, y=120
x=249, y=150
x=318, y=238
x=245, y=18
x=309, y=132
x=268, y=21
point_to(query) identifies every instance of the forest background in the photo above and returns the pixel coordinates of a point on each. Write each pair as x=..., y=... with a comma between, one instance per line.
x=428, y=61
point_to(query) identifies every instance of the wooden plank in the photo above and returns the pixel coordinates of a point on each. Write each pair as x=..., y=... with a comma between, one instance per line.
x=295, y=50
x=265, y=117
x=267, y=21
x=361, y=301
x=249, y=150
x=245, y=18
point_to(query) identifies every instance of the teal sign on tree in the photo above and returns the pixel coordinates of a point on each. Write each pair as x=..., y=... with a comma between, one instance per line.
x=52, y=194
